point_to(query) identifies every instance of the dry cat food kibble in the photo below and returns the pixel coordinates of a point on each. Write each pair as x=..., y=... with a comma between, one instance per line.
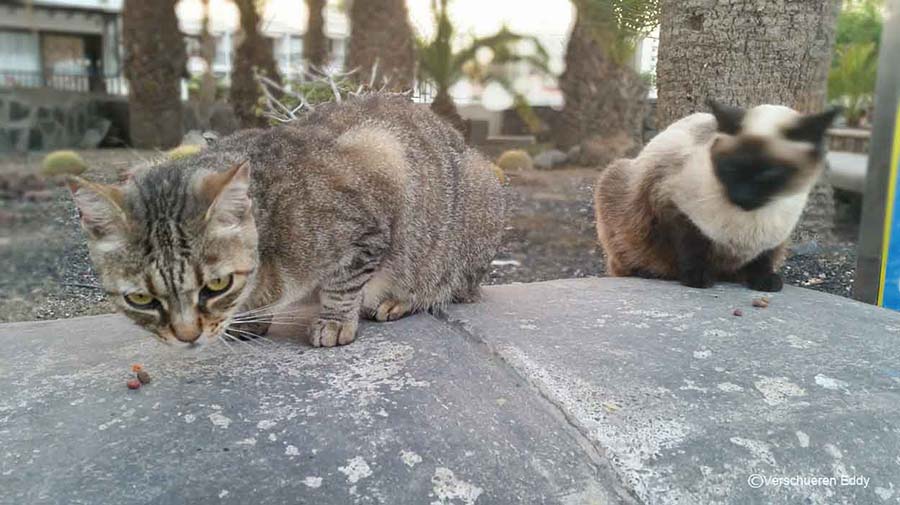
x=761, y=302
x=133, y=384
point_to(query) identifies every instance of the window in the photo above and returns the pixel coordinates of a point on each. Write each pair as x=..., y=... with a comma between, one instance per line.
x=19, y=52
x=289, y=53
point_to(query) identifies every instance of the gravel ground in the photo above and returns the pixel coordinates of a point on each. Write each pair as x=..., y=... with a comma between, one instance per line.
x=45, y=272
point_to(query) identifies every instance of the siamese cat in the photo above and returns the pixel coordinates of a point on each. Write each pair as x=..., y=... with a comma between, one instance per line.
x=714, y=197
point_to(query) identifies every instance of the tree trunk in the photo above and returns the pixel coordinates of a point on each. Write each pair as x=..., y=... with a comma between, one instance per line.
x=605, y=102
x=315, y=44
x=444, y=106
x=749, y=53
x=154, y=64
x=380, y=31
x=207, y=91
x=254, y=52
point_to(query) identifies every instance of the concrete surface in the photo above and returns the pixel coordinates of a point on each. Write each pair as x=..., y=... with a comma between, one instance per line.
x=596, y=391
x=847, y=171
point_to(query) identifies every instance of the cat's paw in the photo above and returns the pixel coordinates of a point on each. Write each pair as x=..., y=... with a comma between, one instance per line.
x=327, y=333
x=391, y=310
x=769, y=283
x=698, y=279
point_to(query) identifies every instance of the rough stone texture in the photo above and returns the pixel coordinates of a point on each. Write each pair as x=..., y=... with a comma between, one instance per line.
x=597, y=391
x=413, y=413
x=45, y=119
x=688, y=401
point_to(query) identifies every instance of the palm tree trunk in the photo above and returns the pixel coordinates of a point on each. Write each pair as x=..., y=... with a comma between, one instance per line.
x=605, y=102
x=154, y=64
x=253, y=53
x=444, y=106
x=380, y=31
x=207, y=92
x=769, y=52
x=315, y=44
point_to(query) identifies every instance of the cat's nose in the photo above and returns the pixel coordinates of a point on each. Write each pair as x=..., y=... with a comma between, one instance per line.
x=187, y=332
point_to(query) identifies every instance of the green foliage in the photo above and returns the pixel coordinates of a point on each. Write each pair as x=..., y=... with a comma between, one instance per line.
x=314, y=91
x=649, y=79
x=183, y=151
x=852, y=79
x=618, y=25
x=515, y=159
x=861, y=21
x=63, y=163
x=441, y=65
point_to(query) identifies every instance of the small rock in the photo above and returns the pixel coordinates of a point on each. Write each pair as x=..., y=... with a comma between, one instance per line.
x=761, y=302
x=133, y=384
x=143, y=377
x=738, y=312
x=550, y=159
x=38, y=195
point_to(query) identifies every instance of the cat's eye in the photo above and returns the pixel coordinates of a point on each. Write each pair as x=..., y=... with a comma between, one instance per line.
x=139, y=300
x=219, y=284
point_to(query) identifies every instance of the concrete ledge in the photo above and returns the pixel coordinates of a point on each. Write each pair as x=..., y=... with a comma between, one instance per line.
x=847, y=171
x=594, y=391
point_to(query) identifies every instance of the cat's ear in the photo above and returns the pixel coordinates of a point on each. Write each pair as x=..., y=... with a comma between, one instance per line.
x=229, y=193
x=812, y=128
x=101, y=209
x=728, y=117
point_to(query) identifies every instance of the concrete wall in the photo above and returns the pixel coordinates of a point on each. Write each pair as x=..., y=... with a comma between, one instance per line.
x=45, y=119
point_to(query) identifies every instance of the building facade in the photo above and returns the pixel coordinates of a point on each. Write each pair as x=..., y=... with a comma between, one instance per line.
x=75, y=45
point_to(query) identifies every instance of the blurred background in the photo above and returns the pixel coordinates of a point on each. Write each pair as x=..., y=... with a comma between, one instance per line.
x=552, y=90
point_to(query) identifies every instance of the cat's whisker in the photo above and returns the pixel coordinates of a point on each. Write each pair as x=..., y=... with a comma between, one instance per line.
x=267, y=313
x=223, y=338
x=256, y=310
x=252, y=335
x=253, y=348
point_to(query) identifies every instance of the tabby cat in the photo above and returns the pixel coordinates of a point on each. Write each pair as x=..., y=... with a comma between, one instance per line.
x=373, y=206
x=713, y=197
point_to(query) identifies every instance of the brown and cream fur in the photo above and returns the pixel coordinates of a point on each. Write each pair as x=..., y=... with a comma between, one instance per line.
x=372, y=207
x=713, y=197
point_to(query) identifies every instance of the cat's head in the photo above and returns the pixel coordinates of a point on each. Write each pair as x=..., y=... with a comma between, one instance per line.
x=767, y=152
x=175, y=247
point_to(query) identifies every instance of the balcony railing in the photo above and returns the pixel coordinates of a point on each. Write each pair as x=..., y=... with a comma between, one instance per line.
x=87, y=83
x=423, y=92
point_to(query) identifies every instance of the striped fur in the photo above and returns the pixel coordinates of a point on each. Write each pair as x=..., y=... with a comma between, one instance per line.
x=374, y=206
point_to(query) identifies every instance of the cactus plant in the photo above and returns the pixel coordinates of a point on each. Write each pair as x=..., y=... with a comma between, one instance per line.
x=515, y=160
x=183, y=151
x=63, y=163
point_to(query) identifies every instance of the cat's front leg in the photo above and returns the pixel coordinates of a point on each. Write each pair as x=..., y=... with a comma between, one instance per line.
x=341, y=294
x=760, y=273
x=692, y=250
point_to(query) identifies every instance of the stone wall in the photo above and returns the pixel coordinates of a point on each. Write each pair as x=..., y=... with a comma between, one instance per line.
x=46, y=119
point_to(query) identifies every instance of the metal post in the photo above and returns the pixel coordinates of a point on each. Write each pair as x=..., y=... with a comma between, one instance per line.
x=879, y=237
